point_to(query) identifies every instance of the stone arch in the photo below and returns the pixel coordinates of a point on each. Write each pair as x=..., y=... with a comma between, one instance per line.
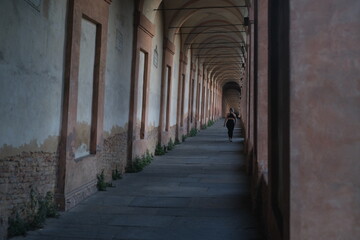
x=147, y=7
x=231, y=96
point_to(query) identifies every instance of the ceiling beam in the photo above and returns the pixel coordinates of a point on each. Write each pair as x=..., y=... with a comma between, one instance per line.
x=214, y=43
x=213, y=47
x=204, y=26
x=198, y=8
x=241, y=31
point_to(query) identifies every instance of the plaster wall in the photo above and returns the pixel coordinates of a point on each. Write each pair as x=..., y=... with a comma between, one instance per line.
x=32, y=44
x=243, y=107
x=166, y=93
x=187, y=85
x=156, y=71
x=118, y=66
x=85, y=88
x=175, y=82
x=251, y=87
x=148, y=8
x=140, y=88
x=201, y=92
x=262, y=86
x=196, y=84
x=324, y=115
x=197, y=105
x=31, y=85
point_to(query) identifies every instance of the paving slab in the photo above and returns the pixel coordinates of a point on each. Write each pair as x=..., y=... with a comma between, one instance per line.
x=198, y=191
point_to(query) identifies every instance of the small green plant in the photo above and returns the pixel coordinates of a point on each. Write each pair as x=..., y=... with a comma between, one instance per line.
x=116, y=174
x=177, y=141
x=204, y=126
x=193, y=132
x=148, y=157
x=50, y=206
x=140, y=162
x=183, y=137
x=159, y=150
x=170, y=145
x=38, y=209
x=210, y=123
x=17, y=226
x=101, y=184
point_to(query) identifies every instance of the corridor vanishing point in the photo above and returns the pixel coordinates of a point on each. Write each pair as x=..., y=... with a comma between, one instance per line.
x=90, y=90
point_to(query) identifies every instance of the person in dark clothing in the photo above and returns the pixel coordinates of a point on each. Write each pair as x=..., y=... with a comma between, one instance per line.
x=230, y=121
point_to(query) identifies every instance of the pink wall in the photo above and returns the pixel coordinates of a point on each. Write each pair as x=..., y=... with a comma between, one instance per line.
x=325, y=117
x=262, y=86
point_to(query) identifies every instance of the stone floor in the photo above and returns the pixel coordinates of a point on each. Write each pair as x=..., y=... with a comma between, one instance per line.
x=199, y=190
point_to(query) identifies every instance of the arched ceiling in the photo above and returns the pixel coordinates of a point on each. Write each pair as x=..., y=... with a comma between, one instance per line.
x=232, y=94
x=212, y=30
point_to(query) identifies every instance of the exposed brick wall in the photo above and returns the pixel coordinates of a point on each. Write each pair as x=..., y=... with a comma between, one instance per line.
x=37, y=170
x=172, y=133
x=152, y=139
x=114, y=154
x=18, y=175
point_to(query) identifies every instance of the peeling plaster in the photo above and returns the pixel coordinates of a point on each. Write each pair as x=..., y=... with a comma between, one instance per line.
x=50, y=144
x=116, y=130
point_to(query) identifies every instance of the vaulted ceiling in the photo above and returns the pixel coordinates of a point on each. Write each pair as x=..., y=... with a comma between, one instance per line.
x=214, y=32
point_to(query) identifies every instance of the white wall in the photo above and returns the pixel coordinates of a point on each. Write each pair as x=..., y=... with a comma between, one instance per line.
x=140, y=87
x=85, y=88
x=175, y=82
x=31, y=73
x=148, y=8
x=155, y=75
x=201, y=91
x=166, y=90
x=118, y=64
x=195, y=88
x=187, y=85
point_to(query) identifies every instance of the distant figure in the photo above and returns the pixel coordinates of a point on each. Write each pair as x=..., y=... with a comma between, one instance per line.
x=230, y=121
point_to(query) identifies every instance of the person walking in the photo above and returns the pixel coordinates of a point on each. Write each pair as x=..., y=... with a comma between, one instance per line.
x=230, y=121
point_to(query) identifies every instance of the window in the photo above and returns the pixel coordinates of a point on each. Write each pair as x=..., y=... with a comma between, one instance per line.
x=84, y=108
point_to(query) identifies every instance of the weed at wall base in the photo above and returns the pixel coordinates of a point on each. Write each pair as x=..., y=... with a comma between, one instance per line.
x=36, y=212
x=170, y=145
x=101, y=184
x=183, y=137
x=159, y=150
x=116, y=174
x=139, y=163
x=17, y=226
x=193, y=132
x=210, y=123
